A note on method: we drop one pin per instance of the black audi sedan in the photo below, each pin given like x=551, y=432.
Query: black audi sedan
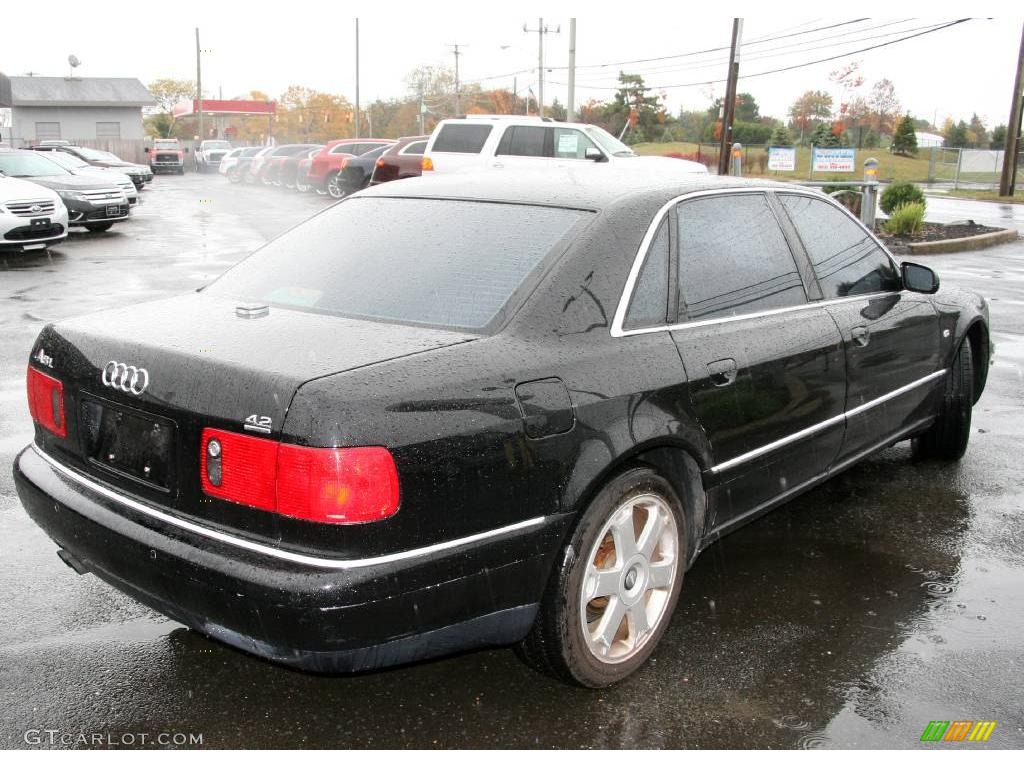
x=93, y=202
x=487, y=409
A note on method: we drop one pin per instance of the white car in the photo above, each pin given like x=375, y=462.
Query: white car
x=32, y=217
x=516, y=142
x=230, y=160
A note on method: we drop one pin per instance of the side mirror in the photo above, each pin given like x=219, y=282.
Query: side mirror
x=595, y=154
x=918, y=278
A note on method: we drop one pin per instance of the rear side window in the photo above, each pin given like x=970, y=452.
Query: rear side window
x=416, y=148
x=846, y=259
x=733, y=258
x=448, y=263
x=525, y=141
x=461, y=137
x=649, y=305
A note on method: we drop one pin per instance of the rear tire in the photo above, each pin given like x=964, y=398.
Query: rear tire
x=947, y=438
x=335, y=188
x=599, y=619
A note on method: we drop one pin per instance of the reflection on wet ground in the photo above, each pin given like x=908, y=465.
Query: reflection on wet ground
x=852, y=616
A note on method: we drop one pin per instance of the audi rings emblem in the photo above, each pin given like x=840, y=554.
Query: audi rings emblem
x=125, y=377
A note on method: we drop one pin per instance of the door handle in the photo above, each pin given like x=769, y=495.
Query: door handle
x=861, y=336
x=722, y=372
x=498, y=165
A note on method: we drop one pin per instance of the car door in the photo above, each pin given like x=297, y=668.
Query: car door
x=764, y=364
x=890, y=336
x=524, y=147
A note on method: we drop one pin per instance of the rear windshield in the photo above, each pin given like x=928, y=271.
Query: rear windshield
x=447, y=263
x=461, y=137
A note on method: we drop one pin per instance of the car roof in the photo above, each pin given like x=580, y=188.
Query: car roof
x=591, y=188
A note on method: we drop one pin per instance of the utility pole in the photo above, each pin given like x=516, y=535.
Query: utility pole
x=541, y=30
x=1008, y=180
x=357, y=79
x=729, y=106
x=570, y=109
x=458, y=85
x=199, y=86
x=421, y=112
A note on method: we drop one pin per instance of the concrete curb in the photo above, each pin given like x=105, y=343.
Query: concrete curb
x=972, y=243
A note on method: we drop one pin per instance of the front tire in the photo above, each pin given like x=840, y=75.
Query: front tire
x=616, y=584
x=947, y=438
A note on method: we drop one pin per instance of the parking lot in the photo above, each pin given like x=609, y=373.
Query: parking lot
x=852, y=616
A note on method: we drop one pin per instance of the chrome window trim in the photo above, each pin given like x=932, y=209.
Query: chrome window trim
x=618, y=319
x=821, y=425
x=282, y=554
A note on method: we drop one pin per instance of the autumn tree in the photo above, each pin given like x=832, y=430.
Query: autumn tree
x=977, y=134
x=885, y=107
x=812, y=108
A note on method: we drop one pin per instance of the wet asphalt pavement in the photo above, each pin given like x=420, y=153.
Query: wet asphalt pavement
x=851, y=617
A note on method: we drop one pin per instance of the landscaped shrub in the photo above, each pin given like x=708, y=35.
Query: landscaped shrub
x=898, y=195
x=906, y=220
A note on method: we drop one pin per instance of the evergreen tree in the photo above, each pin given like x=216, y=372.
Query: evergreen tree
x=956, y=134
x=904, y=141
x=781, y=137
x=822, y=136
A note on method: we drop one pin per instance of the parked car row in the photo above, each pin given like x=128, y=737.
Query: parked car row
x=45, y=191
x=338, y=168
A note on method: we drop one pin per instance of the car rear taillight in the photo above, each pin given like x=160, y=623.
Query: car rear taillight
x=426, y=164
x=380, y=162
x=324, y=485
x=46, y=402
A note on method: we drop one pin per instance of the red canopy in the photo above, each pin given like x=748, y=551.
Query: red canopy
x=224, y=107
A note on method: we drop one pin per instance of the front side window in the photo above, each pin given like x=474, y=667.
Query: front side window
x=846, y=259
x=733, y=258
x=572, y=144
x=447, y=263
x=648, y=307
x=465, y=138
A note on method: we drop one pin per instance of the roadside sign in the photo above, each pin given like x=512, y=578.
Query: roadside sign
x=835, y=159
x=781, y=158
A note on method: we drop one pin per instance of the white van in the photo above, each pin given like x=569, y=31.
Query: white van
x=478, y=142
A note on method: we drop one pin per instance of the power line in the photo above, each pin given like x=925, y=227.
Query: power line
x=789, y=68
x=767, y=55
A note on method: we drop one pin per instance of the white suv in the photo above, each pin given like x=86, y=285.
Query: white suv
x=32, y=217
x=517, y=142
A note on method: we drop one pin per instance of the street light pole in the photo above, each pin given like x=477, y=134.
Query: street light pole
x=1008, y=179
x=199, y=86
x=357, y=79
x=458, y=85
x=570, y=109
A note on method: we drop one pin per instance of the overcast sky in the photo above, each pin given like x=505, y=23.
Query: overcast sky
x=956, y=71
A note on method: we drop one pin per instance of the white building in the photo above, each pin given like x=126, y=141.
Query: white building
x=74, y=108
x=925, y=140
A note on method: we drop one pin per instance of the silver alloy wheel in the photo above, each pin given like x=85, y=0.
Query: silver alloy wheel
x=630, y=573
x=334, y=188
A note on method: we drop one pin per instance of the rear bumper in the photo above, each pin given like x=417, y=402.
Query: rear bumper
x=358, y=615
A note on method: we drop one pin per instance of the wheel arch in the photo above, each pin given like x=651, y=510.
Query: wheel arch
x=680, y=464
x=981, y=349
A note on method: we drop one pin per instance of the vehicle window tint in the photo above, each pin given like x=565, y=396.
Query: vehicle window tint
x=416, y=148
x=449, y=263
x=461, y=137
x=649, y=304
x=570, y=143
x=524, y=141
x=846, y=259
x=733, y=258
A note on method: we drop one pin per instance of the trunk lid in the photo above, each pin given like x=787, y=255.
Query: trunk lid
x=191, y=362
